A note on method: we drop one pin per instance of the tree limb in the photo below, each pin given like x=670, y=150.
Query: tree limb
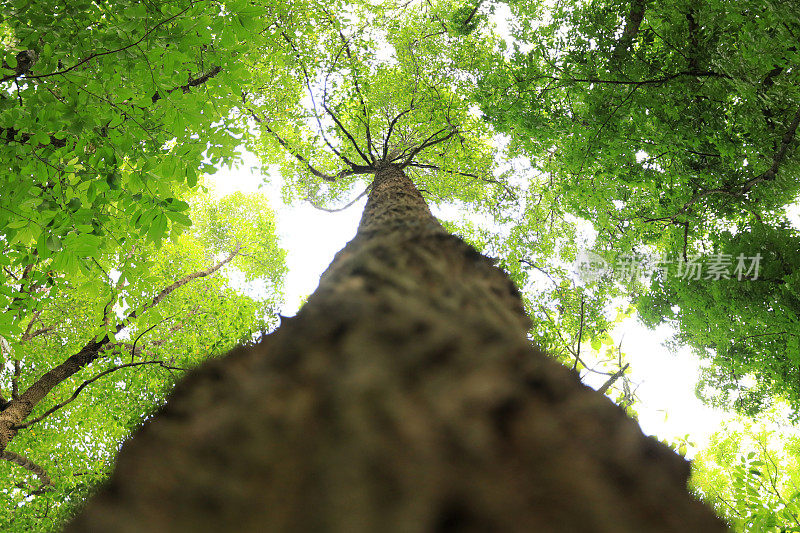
x=610, y=381
x=432, y=140
x=632, y=24
x=116, y=50
x=357, y=169
x=30, y=466
x=193, y=82
x=580, y=336
x=86, y=384
x=780, y=155
x=21, y=408
x=337, y=209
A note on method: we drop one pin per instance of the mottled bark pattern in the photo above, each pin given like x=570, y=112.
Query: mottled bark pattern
x=404, y=397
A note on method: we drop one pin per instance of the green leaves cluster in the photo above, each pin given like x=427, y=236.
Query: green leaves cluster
x=751, y=476
x=207, y=316
x=118, y=109
x=671, y=128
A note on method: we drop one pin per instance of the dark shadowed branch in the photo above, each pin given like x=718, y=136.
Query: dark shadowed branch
x=86, y=384
x=114, y=51
x=30, y=466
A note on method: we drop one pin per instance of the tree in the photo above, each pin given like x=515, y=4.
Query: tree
x=753, y=363
x=405, y=395
x=109, y=113
x=750, y=473
x=64, y=416
x=670, y=127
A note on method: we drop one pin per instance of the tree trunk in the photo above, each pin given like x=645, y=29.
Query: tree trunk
x=404, y=397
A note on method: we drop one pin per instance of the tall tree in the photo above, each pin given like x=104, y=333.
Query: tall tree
x=109, y=111
x=405, y=395
x=671, y=127
x=131, y=338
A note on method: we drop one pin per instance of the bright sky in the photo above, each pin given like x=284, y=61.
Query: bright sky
x=667, y=408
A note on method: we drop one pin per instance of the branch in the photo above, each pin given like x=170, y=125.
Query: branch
x=465, y=174
x=107, y=52
x=25, y=60
x=532, y=265
x=30, y=466
x=86, y=384
x=780, y=155
x=336, y=210
x=193, y=82
x=318, y=173
x=618, y=374
x=632, y=24
x=15, y=380
x=430, y=141
x=354, y=72
x=580, y=337
x=21, y=408
x=314, y=105
x=28, y=335
x=472, y=13
x=638, y=83
x=392, y=124
x=347, y=134
x=178, y=284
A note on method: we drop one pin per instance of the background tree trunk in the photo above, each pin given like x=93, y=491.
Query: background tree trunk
x=403, y=397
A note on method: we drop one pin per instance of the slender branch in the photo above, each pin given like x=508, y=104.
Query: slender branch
x=632, y=24
x=638, y=83
x=356, y=169
x=465, y=174
x=15, y=380
x=610, y=381
x=193, y=82
x=347, y=134
x=472, y=13
x=139, y=336
x=430, y=141
x=356, y=85
x=532, y=265
x=28, y=335
x=336, y=210
x=178, y=284
x=392, y=124
x=580, y=335
x=314, y=103
x=780, y=155
x=114, y=51
x=86, y=384
x=22, y=407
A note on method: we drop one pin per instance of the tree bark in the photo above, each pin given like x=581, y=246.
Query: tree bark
x=403, y=397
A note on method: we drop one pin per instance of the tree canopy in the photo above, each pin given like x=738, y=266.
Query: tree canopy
x=671, y=128
x=659, y=138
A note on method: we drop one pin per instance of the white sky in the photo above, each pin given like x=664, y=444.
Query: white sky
x=667, y=408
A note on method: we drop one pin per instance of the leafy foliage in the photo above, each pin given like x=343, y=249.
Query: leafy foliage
x=671, y=128
x=74, y=433
x=751, y=477
x=108, y=113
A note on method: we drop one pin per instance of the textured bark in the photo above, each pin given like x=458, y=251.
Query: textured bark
x=632, y=24
x=403, y=397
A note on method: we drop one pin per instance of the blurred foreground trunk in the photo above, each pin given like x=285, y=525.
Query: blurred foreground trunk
x=404, y=397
